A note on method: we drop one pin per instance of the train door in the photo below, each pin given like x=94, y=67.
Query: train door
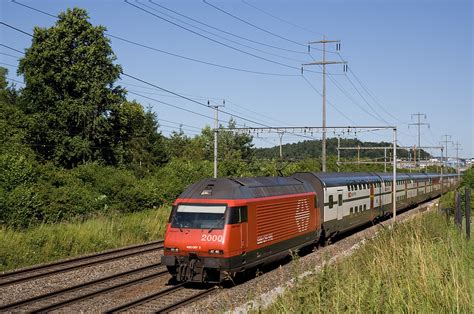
x=243, y=229
x=340, y=206
x=372, y=196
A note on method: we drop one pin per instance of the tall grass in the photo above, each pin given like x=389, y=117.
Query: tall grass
x=48, y=242
x=420, y=266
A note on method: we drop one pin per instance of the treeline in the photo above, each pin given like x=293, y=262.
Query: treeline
x=312, y=148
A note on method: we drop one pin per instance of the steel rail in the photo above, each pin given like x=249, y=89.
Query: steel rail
x=62, y=304
x=146, y=299
x=42, y=297
x=141, y=249
x=187, y=300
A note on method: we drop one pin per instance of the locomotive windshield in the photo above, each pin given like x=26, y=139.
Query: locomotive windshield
x=199, y=217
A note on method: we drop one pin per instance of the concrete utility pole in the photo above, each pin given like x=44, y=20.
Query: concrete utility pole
x=338, y=152
x=446, y=141
x=419, y=124
x=324, y=63
x=394, y=176
x=457, y=148
x=216, y=130
x=280, y=135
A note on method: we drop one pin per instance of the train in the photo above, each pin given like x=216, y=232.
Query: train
x=219, y=228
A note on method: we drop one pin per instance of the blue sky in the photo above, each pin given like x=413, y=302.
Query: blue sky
x=412, y=56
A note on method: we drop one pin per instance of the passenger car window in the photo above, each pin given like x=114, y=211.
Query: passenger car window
x=331, y=199
x=339, y=202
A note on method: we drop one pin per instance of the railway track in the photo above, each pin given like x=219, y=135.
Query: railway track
x=31, y=273
x=70, y=295
x=166, y=300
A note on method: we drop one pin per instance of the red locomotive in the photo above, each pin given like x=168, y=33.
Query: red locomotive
x=219, y=227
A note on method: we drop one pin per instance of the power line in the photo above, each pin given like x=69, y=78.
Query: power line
x=9, y=55
x=366, y=89
x=365, y=100
x=113, y=36
x=280, y=19
x=179, y=123
x=264, y=117
x=226, y=32
x=218, y=36
x=171, y=53
x=212, y=39
x=11, y=48
x=187, y=98
x=7, y=64
x=253, y=25
x=168, y=91
x=171, y=105
x=34, y=9
x=16, y=81
x=16, y=29
x=198, y=60
x=330, y=103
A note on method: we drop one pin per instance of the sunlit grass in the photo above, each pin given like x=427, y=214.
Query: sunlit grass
x=50, y=242
x=421, y=266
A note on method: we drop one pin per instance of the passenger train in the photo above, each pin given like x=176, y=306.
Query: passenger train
x=221, y=227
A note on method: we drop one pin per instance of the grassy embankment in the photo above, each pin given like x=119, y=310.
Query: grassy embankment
x=423, y=265
x=49, y=242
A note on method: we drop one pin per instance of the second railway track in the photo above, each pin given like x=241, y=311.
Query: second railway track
x=70, y=295
x=31, y=273
x=165, y=301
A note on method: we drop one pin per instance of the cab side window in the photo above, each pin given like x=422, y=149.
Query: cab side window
x=238, y=215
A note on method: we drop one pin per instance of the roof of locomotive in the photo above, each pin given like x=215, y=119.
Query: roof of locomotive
x=245, y=188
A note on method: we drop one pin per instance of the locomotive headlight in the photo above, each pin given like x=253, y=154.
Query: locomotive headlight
x=172, y=249
x=216, y=252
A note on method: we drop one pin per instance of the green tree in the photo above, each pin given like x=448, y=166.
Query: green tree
x=137, y=140
x=70, y=73
x=231, y=146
